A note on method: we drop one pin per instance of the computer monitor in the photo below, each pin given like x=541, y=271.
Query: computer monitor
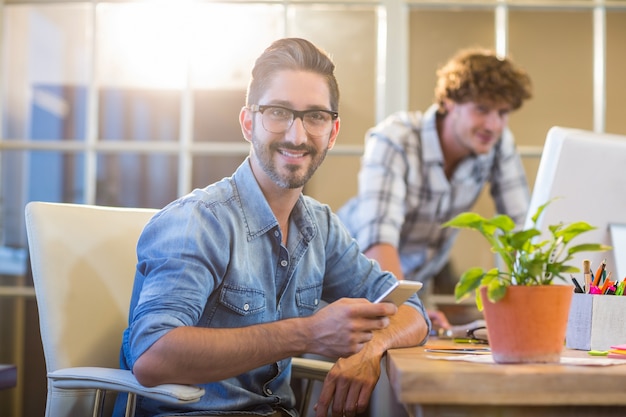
x=587, y=170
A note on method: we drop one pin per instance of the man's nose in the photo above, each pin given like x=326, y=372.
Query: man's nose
x=494, y=120
x=296, y=133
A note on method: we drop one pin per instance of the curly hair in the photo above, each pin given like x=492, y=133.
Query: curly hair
x=477, y=74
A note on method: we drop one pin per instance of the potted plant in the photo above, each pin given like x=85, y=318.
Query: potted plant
x=526, y=315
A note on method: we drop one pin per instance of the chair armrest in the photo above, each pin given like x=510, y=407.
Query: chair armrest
x=121, y=380
x=305, y=368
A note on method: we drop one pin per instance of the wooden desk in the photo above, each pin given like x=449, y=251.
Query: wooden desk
x=437, y=388
x=8, y=376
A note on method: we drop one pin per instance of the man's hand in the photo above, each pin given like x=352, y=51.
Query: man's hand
x=349, y=386
x=439, y=320
x=342, y=328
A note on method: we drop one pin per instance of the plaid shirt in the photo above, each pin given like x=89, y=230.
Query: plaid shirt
x=404, y=195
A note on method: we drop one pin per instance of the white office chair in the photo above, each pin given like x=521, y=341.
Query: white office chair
x=83, y=262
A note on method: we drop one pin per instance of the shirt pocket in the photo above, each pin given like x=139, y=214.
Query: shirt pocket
x=308, y=299
x=246, y=303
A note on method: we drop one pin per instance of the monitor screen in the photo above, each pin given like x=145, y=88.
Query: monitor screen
x=587, y=172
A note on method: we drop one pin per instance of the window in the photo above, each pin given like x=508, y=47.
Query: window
x=133, y=103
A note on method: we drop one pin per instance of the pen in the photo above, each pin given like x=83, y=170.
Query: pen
x=599, y=272
x=587, y=273
x=578, y=288
x=607, y=284
x=459, y=350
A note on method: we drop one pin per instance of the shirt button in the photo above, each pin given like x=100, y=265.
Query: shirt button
x=283, y=263
x=276, y=233
x=316, y=302
x=246, y=307
x=268, y=391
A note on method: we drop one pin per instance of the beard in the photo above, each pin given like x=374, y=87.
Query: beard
x=291, y=175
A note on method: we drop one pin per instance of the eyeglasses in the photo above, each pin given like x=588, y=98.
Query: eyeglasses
x=278, y=119
x=474, y=335
x=478, y=335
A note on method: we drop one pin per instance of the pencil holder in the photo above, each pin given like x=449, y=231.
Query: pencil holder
x=596, y=322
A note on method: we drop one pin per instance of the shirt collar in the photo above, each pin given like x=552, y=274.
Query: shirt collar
x=432, y=146
x=257, y=214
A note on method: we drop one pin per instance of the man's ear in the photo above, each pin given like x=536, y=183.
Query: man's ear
x=448, y=105
x=333, y=134
x=245, y=120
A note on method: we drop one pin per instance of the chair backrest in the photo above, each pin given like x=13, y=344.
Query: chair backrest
x=83, y=262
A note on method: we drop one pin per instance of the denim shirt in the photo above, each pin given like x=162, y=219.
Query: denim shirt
x=214, y=258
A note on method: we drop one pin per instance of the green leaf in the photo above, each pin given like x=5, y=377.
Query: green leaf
x=495, y=291
x=519, y=239
x=588, y=247
x=473, y=221
x=469, y=281
x=569, y=269
x=531, y=268
x=479, y=301
x=541, y=208
x=502, y=222
x=468, y=220
x=572, y=230
x=492, y=275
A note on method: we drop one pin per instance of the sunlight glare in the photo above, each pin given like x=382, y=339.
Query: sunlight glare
x=155, y=45
x=145, y=45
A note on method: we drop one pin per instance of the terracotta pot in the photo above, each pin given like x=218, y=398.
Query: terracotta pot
x=528, y=325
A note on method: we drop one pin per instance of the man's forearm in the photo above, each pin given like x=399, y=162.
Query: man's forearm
x=407, y=328
x=387, y=257
x=193, y=355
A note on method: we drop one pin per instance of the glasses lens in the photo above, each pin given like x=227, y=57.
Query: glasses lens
x=279, y=120
x=317, y=123
x=478, y=333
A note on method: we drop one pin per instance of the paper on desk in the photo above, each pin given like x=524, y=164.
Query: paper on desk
x=595, y=361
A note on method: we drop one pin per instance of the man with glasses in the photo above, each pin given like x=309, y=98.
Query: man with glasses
x=230, y=278
x=421, y=169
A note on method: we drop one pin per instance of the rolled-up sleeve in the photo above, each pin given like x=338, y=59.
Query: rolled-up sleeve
x=173, y=278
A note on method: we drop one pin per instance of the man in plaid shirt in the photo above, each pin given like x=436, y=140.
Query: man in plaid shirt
x=421, y=169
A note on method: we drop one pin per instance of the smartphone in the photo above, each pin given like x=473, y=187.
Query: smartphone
x=400, y=292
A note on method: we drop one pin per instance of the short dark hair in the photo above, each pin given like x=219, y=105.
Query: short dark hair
x=478, y=74
x=291, y=54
